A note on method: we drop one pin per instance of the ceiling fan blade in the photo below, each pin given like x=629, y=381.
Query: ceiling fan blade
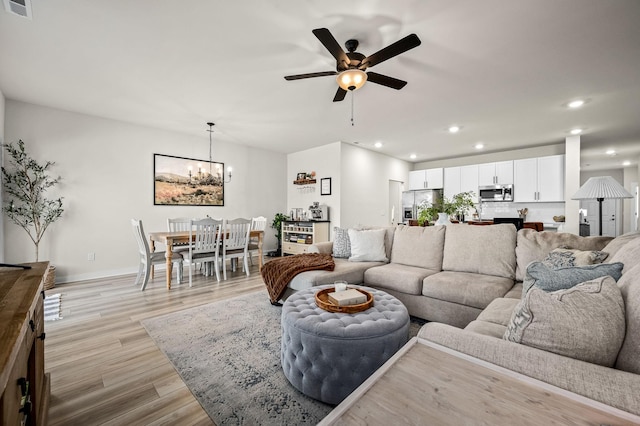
x=310, y=75
x=340, y=94
x=400, y=46
x=385, y=80
x=328, y=41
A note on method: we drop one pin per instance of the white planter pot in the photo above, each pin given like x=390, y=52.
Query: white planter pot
x=443, y=219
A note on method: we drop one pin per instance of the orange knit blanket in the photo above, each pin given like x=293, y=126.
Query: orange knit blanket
x=278, y=272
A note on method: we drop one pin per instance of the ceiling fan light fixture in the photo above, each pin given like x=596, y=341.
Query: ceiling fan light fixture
x=352, y=79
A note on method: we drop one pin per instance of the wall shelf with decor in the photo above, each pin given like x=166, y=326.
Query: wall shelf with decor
x=297, y=236
x=304, y=181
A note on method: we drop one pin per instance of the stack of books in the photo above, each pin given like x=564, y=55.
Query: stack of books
x=347, y=297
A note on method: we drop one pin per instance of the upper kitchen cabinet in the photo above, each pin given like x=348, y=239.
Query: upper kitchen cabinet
x=539, y=179
x=426, y=179
x=500, y=172
x=461, y=179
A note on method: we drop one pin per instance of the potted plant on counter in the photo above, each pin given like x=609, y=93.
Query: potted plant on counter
x=25, y=184
x=440, y=211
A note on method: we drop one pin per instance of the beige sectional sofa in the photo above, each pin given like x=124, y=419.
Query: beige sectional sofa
x=467, y=281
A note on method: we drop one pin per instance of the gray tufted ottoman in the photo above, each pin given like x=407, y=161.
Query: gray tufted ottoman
x=327, y=355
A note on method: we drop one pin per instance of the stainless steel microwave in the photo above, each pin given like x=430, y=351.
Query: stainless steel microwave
x=495, y=193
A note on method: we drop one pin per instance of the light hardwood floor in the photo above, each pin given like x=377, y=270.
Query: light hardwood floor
x=104, y=367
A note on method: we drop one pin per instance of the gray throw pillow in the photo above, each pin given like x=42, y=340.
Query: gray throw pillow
x=341, y=244
x=547, y=278
x=585, y=322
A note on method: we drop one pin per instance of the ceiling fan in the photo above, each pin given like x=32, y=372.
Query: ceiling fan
x=351, y=65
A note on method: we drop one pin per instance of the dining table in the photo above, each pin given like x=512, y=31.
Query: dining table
x=172, y=238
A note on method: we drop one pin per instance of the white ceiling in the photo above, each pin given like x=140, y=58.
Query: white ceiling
x=501, y=69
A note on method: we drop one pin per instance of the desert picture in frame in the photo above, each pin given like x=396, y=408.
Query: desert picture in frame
x=179, y=181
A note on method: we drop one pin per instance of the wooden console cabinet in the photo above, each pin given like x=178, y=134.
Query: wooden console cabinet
x=24, y=386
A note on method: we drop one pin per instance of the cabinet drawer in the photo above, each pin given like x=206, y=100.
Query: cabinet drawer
x=294, y=248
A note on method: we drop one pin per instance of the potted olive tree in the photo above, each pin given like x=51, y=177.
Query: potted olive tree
x=277, y=225
x=25, y=183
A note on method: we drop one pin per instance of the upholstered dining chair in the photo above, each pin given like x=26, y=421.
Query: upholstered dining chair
x=205, y=234
x=148, y=259
x=257, y=224
x=235, y=244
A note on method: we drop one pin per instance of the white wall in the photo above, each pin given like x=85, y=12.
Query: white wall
x=325, y=161
x=107, y=171
x=364, y=195
x=630, y=180
x=359, y=182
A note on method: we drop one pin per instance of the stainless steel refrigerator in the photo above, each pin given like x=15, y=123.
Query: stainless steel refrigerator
x=411, y=200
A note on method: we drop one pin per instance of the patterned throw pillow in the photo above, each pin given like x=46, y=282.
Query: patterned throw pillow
x=341, y=243
x=585, y=322
x=548, y=278
x=562, y=257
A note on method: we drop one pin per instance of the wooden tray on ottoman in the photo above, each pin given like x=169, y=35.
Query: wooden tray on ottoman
x=322, y=300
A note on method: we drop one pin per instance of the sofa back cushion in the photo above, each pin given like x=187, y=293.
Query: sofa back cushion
x=629, y=284
x=618, y=242
x=420, y=246
x=488, y=250
x=585, y=322
x=533, y=245
x=629, y=254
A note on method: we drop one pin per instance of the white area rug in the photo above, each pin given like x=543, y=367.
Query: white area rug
x=52, y=307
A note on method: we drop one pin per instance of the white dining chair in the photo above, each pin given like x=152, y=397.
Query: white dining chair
x=205, y=234
x=148, y=259
x=235, y=244
x=257, y=224
x=179, y=224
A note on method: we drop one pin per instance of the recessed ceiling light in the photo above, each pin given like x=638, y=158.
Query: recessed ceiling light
x=576, y=104
x=413, y=156
x=454, y=129
x=378, y=145
x=611, y=152
x=479, y=145
x=626, y=163
x=575, y=131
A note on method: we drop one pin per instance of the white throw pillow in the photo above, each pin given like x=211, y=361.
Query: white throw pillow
x=367, y=245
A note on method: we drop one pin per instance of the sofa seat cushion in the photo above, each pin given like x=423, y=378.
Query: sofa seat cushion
x=629, y=358
x=535, y=246
x=493, y=320
x=464, y=288
x=393, y=276
x=420, y=246
x=488, y=250
x=351, y=272
x=585, y=322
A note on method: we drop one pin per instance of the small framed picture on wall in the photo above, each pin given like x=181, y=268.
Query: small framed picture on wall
x=301, y=176
x=325, y=186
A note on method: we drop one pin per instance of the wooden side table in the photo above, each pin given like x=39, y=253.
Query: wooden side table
x=425, y=383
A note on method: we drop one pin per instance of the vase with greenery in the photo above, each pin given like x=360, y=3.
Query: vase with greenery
x=277, y=225
x=459, y=204
x=25, y=183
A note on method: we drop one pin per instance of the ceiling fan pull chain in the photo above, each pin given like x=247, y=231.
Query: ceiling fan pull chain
x=352, y=96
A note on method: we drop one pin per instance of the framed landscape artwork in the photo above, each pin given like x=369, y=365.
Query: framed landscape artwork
x=181, y=181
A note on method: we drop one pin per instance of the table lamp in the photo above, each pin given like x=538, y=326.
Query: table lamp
x=599, y=188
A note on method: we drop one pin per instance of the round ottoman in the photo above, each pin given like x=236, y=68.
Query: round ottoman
x=326, y=355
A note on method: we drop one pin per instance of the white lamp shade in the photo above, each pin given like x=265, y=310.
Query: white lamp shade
x=601, y=187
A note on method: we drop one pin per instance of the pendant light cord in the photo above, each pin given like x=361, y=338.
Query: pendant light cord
x=210, y=145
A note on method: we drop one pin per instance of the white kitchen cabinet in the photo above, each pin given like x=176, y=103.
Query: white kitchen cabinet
x=461, y=179
x=539, y=179
x=469, y=180
x=426, y=179
x=500, y=172
x=451, y=181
